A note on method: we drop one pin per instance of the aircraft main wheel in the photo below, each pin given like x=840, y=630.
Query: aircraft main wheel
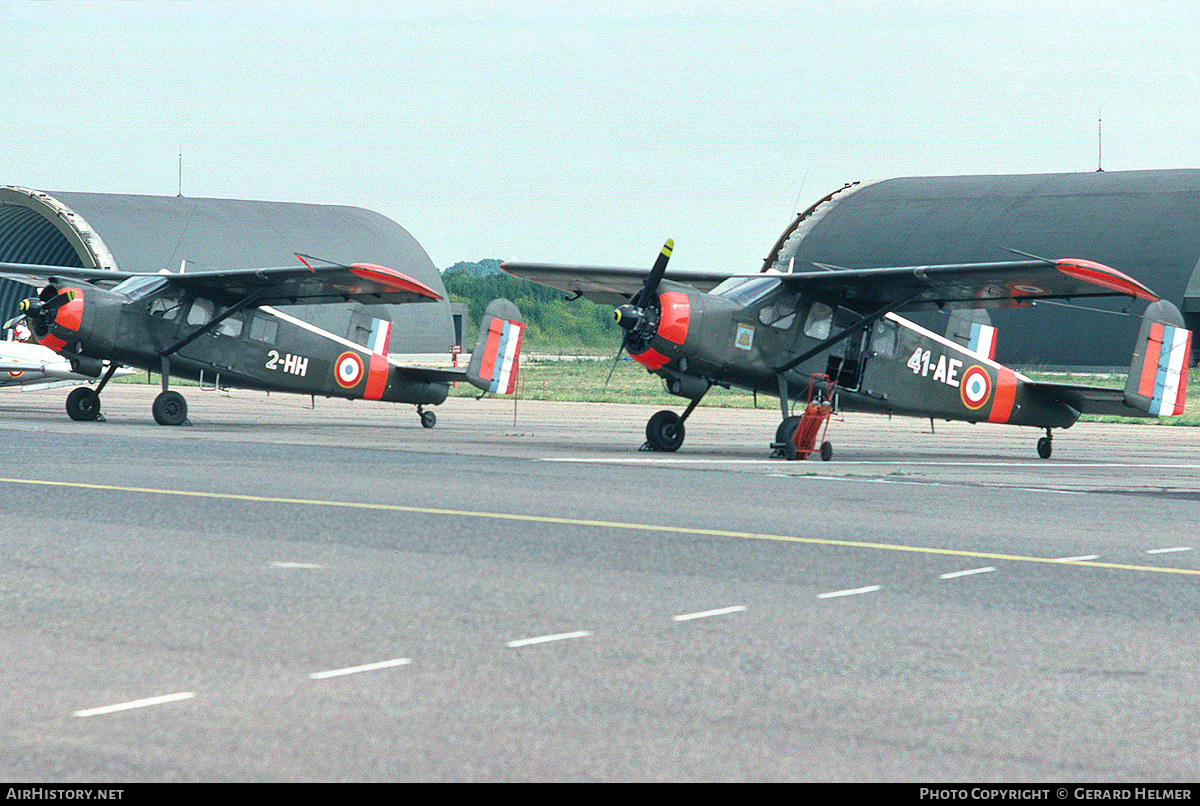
x=1044, y=447
x=170, y=409
x=83, y=404
x=787, y=429
x=428, y=419
x=784, y=438
x=826, y=451
x=664, y=431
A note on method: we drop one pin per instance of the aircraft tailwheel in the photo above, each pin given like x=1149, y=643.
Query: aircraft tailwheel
x=428, y=419
x=664, y=431
x=83, y=404
x=1044, y=447
x=170, y=408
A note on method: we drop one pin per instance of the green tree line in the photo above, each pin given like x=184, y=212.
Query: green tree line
x=552, y=323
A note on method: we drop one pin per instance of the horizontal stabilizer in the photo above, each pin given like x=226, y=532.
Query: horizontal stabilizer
x=497, y=350
x=1157, y=381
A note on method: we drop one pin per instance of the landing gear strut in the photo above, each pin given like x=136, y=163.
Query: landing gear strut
x=664, y=431
x=83, y=403
x=169, y=407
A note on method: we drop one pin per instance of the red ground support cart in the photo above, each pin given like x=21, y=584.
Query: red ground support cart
x=798, y=437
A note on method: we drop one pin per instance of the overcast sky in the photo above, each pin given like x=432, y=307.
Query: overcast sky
x=520, y=130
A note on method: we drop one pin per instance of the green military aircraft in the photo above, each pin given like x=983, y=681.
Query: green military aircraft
x=774, y=333
x=223, y=328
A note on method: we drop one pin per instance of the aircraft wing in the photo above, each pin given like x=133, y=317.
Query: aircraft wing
x=8, y=364
x=966, y=285
x=308, y=285
x=285, y=285
x=607, y=286
x=38, y=275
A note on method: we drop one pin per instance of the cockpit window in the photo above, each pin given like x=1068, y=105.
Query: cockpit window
x=139, y=287
x=747, y=290
x=781, y=313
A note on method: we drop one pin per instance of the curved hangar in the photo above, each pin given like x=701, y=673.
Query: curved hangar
x=151, y=233
x=1144, y=223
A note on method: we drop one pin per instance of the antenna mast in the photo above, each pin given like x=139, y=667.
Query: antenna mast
x=180, y=193
x=1100, y=141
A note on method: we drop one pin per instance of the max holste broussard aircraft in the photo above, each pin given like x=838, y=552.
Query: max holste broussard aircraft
x=221, y=328
x=776, y=334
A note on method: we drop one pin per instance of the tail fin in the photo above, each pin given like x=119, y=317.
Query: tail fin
x=1158, y=375
x=497, y=350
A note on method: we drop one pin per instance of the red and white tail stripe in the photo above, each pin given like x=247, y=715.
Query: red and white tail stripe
x=501, y=353
x=1165, y=370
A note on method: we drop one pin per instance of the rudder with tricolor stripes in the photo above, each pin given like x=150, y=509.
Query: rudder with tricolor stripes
x=496, y=356
x=1158, y=374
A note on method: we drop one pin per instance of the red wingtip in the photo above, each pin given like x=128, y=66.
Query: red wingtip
x=390, y=277
x=1105, y=277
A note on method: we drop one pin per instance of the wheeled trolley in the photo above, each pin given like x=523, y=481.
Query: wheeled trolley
x=798, y=437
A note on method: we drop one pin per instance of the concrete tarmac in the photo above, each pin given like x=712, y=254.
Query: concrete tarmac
x=295, y=590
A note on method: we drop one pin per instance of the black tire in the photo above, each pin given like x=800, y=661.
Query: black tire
x=1045, y=447
x=664, y=431
x=787, y=429
x=83, y=404
x=428, y=419
x=170, y=408
x=826, y=451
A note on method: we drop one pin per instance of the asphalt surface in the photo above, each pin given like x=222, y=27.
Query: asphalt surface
x=288, y=590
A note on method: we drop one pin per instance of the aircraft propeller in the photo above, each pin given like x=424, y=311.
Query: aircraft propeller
x=639, y=317
x=36, y=310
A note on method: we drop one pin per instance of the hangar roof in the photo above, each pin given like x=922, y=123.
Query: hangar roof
x=151, y=233
x=1144, y=223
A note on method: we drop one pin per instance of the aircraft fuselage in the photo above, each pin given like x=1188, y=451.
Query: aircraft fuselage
x=253, y=348
x=758, y=335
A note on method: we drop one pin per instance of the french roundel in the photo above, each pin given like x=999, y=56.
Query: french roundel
x=976, y=387
x=348, y=369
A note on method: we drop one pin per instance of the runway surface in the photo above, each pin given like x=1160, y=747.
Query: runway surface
x=287, y=590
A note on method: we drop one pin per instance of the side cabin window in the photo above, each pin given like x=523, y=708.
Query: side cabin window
x=819, y=321
x=201, y=312
x=883, y=338
x=264, y=328
x=231, y=326
x=166, y=307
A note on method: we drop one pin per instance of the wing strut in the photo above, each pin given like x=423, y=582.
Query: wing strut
x=846, y=333
x=245, y=303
